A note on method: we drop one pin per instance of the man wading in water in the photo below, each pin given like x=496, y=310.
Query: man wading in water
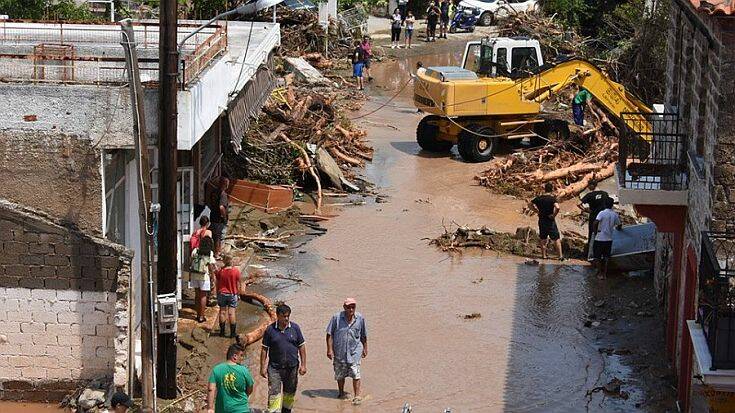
x=346, y=346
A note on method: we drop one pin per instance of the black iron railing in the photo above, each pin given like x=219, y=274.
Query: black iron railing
x=652, y=152
x=716, y=311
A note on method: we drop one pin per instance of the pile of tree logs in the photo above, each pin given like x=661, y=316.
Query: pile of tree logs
x=274, y=150
x=554, y=38
x=568, y=164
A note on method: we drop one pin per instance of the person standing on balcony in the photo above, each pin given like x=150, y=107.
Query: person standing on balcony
x=607, y=221
x=595, y=201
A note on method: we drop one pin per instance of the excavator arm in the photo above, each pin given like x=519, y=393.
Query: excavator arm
x=606, y=92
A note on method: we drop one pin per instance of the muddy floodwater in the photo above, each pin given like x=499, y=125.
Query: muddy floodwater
x=527, y=352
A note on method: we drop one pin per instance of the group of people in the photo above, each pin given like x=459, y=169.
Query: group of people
x=603, y=220
x=438, y=13
x=283, y=360
x=206, y=251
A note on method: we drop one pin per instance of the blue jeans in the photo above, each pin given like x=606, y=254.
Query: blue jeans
x=578, y=112
x=357, y=69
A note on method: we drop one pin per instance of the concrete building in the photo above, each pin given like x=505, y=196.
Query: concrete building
x=67, y=159
x=683, y=179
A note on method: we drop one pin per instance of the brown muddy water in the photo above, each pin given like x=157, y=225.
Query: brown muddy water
x=529, y=350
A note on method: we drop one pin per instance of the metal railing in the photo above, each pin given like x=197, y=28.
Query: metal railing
x=654, y=159
x=96, y=56
x=716, y=312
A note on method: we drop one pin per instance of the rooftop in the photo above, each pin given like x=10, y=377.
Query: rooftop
x=56, y=52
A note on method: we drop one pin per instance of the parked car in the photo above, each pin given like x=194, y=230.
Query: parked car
x=493, y=9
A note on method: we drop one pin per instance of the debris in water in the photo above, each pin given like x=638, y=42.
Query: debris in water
x=479, y=280
x=532, y=262
x=599, y=303
x=523, y=243
x=472, y=316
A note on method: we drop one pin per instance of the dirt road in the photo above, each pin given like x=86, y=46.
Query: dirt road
x=529, y=350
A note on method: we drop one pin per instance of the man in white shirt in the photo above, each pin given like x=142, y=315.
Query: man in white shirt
x=607, y=221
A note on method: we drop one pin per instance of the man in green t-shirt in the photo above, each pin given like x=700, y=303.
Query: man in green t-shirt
x=230, y=384
x=578, y=104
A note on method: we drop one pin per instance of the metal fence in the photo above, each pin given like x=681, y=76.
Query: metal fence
x=716, y=312
x=354, y=21
x=652, y=152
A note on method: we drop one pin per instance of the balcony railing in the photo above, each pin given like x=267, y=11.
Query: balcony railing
x=716, y=311
x=652, y=153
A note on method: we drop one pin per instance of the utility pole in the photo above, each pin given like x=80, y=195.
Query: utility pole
x=168, y=226
x=146, y=241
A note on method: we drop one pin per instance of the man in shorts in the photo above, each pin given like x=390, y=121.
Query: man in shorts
x=595, y=201
x=607, y=221
x=358, y=62
x=443, y=18
x=547, y=208
x=347, y=346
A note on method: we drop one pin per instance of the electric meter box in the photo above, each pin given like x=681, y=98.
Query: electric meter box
x=168, y=313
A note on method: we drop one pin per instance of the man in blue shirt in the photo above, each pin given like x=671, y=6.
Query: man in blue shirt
x=285, y=350
x=346, y=346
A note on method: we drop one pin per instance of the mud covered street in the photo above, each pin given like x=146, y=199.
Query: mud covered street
x=539, y=339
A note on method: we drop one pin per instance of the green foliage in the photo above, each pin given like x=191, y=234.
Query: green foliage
x=571, y=12
x=45, y=9
x=627, y=35
x=23, y=9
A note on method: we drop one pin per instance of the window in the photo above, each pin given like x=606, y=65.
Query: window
x=473, y=58
x=523, y=59
x=502, y=60
x=114, y=166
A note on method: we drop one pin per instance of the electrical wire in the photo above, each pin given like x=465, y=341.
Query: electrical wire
x=244, y=58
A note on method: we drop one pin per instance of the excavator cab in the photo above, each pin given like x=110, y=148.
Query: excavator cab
x=512, y=57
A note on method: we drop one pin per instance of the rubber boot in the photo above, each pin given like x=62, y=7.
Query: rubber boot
x=233, y=329
x=221, y=329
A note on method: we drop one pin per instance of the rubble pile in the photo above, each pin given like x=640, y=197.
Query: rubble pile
x=554, y=38
x=301, y=33
x=523, y=243
x=301, y=136
x=570, y=164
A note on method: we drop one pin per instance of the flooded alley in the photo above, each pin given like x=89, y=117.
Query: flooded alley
x=528, y=349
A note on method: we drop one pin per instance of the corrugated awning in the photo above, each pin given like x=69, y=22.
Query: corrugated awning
x=248, y=103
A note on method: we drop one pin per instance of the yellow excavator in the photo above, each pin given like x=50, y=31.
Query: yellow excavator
x=497, y=95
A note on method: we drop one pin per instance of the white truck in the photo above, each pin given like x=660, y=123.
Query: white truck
x=490, y=10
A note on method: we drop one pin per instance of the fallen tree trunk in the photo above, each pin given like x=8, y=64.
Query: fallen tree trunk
x=579, y=186
x=562, y=172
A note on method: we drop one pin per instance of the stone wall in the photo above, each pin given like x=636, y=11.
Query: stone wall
x=63, y=306
x=700, y=86
x=54, y=173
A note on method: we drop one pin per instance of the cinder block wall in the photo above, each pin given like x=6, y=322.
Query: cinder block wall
x=63, y=307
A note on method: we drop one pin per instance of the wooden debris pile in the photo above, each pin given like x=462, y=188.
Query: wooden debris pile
x=523, y=243
x=302, y=34
x=303, y=137
x=569, y=164
x=554, y=38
